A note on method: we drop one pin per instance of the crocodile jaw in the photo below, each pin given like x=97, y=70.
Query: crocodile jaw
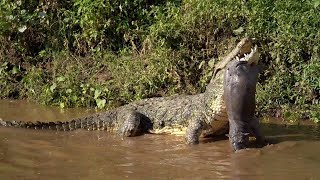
x=252, y=58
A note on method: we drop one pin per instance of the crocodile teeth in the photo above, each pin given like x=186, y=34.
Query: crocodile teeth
x=252, y=57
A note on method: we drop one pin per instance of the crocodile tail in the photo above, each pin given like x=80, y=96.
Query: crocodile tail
x=64, y=126
x=88, y=123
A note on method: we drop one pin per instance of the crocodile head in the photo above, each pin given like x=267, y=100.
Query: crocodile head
x=244, y=51
x=243, y=47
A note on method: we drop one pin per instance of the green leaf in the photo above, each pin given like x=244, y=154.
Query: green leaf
x=69, y=91
x=53, y=87
x=287, y=114
x=74, y=98
x=15, y=70
x=201, y=64
x=101, y=103
x=238, y=31
x=211, y=63
x=61, y=78
x=97, y=93
x=316, y=3
x=62, y=105
x=42, y=53
x=4, y=64
x=22, y=28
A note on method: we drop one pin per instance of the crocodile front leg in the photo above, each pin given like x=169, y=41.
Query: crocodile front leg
x=194, y=130
x=130, y=123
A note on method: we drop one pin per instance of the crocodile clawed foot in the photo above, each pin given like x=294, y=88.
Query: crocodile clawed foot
x=191, y=140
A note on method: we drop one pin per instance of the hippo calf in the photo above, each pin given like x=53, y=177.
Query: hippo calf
x=240, y=81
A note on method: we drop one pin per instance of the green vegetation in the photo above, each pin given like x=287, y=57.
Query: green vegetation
x=106, y=53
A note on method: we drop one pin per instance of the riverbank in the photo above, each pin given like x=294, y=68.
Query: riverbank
x=103, y=54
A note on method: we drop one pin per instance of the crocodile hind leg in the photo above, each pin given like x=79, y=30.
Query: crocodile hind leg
x=194, y=131
x=131, y=120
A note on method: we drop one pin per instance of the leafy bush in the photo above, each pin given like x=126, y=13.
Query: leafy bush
x=105, y=53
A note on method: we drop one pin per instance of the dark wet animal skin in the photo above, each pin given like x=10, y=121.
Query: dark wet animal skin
x=201, y=114
x=239, y=94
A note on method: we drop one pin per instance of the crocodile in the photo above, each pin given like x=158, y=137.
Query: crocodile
x=193, y=116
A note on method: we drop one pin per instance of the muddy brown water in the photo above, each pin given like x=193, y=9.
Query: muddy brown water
x=45, y=154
